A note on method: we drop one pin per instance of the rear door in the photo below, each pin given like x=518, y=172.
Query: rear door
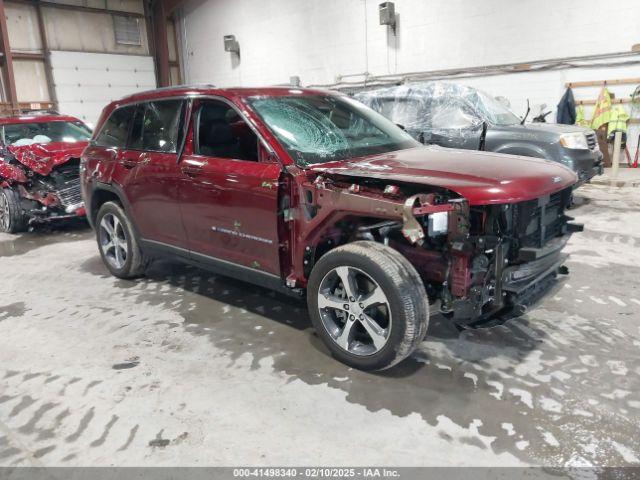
x=151, y=156
x=230, y=194
x=110, y=145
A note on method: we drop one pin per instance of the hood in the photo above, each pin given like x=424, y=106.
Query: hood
x=553, y=128
x=42, y=158
x=481, y=177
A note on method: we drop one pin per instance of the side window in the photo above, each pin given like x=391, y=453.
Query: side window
x=451, y=116
x=222, y=133
x=158, y=126
x=115, y=131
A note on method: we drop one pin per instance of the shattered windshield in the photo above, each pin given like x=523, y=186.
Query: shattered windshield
x=323, y=128
x=20, y=134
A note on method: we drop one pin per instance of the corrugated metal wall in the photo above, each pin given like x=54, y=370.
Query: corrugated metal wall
x=86, y=82
x=89, y=67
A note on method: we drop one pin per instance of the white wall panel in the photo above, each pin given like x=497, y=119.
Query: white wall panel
x=86, y=82
x=87, y=32
x=22, y=24
x=31, y=81
x=322, y=39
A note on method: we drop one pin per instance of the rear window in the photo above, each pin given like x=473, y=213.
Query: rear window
x=115, y=131
x=45, y=132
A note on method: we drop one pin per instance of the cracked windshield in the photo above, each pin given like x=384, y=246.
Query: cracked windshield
x=21, y=134
x=318, y=129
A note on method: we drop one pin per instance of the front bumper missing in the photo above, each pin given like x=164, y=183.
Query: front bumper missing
x=519, y=278
x=515, y=287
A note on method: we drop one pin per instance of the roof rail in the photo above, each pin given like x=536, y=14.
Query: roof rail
x=172, y=87
x=38, y=111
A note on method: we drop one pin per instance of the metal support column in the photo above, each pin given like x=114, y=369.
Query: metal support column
x=46, y=52
x=8, y=76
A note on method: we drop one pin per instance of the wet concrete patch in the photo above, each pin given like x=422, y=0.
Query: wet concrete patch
x=557, y=386
x=12, y=310
x=129, y=363
x=527, y=373
x=44, y=235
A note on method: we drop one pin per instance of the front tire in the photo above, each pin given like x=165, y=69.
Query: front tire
x=12, y=217
x=117, y=242
x=368, y=305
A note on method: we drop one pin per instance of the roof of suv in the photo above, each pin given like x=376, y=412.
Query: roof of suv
x=183, y=90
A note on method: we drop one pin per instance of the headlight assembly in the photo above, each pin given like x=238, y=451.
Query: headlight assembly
x=438, y=223
x=574, y=141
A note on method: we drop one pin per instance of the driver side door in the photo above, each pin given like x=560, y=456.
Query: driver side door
x=229, y=191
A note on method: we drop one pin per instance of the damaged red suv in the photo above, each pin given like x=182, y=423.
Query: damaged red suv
x=39, y=169
x=310, y=193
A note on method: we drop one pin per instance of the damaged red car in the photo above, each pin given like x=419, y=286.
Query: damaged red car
x=39, y=169
x=313, y=194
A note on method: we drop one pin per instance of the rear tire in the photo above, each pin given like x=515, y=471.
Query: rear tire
x=12, y=217
x=117, y=242
x=380, y=318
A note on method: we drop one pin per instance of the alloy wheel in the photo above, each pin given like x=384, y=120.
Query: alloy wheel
x=5, y=214
x=354, y=310
x=113, y=241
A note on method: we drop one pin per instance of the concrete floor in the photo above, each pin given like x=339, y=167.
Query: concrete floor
x=185, y=368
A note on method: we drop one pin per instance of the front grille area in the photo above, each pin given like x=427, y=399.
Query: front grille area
x=70, y=194
x=543, y=219
x=65, y=182
x=592, y=141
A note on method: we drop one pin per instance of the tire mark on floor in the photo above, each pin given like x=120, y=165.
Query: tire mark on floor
x=132, y=435
x=26, y=402
x=105, y=434
x=84, y=423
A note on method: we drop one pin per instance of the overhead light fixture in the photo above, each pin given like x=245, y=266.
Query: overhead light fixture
x=231, y=44
x=388, y=15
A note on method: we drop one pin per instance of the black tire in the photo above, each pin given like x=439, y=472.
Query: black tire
x=403, y=288
x=12, y=217
x=135, y=262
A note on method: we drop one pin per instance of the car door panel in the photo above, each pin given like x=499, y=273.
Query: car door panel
x=230, y=210
x=153, y=184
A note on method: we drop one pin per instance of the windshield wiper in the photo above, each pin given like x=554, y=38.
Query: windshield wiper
x=526, y=114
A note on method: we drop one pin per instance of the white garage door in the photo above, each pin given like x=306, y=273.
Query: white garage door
x=86, y=82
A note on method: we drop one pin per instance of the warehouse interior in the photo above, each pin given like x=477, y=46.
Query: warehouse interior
x=188, y=366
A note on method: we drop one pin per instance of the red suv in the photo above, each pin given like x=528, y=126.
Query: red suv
x=310, y=192
x=39, y=165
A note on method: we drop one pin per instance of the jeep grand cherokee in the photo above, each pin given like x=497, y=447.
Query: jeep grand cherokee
x=310, y=192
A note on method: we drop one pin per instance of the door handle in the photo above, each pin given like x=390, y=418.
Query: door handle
x=144, y=159
x=191, y=170
x=128, y=163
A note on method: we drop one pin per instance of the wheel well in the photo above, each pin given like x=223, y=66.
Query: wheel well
x=99, y=198
x=346, y=230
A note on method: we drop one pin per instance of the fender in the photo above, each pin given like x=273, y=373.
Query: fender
x=523, y=150
x=115, y=189
x=10, y=174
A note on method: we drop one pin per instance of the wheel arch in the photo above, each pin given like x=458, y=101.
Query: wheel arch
x=102, y=193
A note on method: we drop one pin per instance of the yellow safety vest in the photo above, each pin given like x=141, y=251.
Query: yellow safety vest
x=602, y=112
x=580, y=120
x=618, y=120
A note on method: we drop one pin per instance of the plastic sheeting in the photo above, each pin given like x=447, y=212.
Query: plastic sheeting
x=438, y=109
